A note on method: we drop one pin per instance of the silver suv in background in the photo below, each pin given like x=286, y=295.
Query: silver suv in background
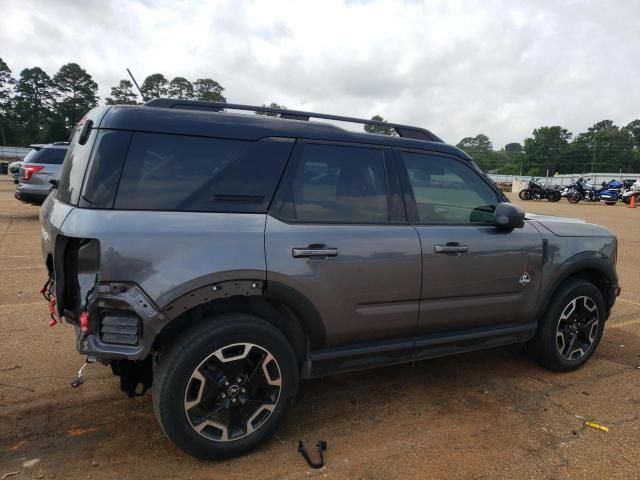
x=41, y=165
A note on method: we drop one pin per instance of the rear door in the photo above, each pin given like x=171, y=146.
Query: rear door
x=474, y=275
x=337, y=234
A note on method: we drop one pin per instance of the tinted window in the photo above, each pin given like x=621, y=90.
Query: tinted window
x=175, y=172
x=338, y=184
x=73, y=169
x=52, y=156
x=448, y=191
x=105, y=168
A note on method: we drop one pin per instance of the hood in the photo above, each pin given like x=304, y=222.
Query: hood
x=569, y=227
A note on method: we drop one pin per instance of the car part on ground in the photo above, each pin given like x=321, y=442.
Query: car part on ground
x=321, y=445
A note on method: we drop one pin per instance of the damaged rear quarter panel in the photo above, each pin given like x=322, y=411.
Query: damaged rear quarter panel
x=170, y=254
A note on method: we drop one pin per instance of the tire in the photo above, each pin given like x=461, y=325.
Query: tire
x=610, y=202
x=561, y=355
x=627, y=200
x=554, y=196
x=193, y=380
x=574, y=197
x=525, y=194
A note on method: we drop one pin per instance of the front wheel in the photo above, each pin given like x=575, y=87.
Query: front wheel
x=571, y=328
x=525, y=194
x=574, y=197
x=223, y=388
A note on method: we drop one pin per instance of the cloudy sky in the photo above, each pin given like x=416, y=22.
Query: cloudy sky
x=459, y=68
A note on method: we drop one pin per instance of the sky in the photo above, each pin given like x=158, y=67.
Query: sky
x=500, y=68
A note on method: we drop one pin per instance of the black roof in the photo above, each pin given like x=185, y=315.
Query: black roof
x=209, y=122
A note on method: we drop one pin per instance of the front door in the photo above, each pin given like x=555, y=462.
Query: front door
x=474, y=275
x=337, y=234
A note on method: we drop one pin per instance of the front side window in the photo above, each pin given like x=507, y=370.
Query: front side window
x=447, y=191
x=338, y=184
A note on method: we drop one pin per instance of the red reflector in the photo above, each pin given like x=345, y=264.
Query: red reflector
x=30, y=170
x=52, y=322
x=52, y=305
x=84, y=322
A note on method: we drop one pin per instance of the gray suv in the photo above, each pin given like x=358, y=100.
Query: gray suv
x=222, y=257
x=39, y=168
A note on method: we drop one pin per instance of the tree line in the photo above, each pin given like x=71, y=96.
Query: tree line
x=604, y=147
x=37, y=108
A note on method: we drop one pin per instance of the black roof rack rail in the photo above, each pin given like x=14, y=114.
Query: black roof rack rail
x=405, y=131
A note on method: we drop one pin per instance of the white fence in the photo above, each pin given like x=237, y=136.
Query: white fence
x=595, y=178
x=13, y=152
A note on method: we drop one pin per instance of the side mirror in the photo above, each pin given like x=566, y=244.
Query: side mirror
x=508, y=216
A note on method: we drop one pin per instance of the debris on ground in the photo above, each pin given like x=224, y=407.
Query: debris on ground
x=9, y=474
x=597, y=426
x=31, y=463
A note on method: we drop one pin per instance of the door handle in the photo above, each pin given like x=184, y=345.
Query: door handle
x=309, y=252
x=450, y=248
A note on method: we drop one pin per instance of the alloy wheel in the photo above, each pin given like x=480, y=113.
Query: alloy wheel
x=233, y=392
x=577, y=328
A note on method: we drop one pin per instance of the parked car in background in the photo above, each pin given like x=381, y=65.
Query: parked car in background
x=14, y=170
x=41, y=165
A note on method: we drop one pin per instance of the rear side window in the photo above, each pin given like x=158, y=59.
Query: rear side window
x=183, y=173
x=337, y=184
x=104, y=170
x=51, y=156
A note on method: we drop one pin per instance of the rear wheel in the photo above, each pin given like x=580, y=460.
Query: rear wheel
x=571, y=328
x=225, y=386
x=554, y=196
x=525, y=194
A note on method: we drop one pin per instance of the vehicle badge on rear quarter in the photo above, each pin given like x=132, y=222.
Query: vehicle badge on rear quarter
x=525, y=279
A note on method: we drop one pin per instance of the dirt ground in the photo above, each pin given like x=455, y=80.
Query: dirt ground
x=491, y=414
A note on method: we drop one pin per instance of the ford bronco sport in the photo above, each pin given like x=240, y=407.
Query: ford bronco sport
x=224, y=256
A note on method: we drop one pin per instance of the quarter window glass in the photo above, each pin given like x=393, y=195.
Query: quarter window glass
x=447, y=191
x=73, y=169
x=340, y=184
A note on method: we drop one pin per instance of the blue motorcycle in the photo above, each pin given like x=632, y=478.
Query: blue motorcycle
x=609, y=193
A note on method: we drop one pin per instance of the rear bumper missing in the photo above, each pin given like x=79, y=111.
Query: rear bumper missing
x=120, y=324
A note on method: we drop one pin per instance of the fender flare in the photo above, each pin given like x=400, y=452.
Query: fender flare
x=295, y=301
x=583, y=261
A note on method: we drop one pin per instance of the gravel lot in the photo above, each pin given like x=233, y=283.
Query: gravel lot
x=491, y=414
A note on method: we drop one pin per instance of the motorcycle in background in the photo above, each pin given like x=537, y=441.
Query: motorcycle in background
x=537, y=191
x=583, y=190
x=631, y=189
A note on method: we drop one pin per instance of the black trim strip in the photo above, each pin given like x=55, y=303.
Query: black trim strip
x=401, y=350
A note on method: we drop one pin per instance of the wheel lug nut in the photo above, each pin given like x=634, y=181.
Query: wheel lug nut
x=222, y=395
x=242, y=390
x=226, y=383
x=238, y=380
x=233, y=400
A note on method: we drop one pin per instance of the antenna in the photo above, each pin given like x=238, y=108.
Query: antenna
x=137, y=86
